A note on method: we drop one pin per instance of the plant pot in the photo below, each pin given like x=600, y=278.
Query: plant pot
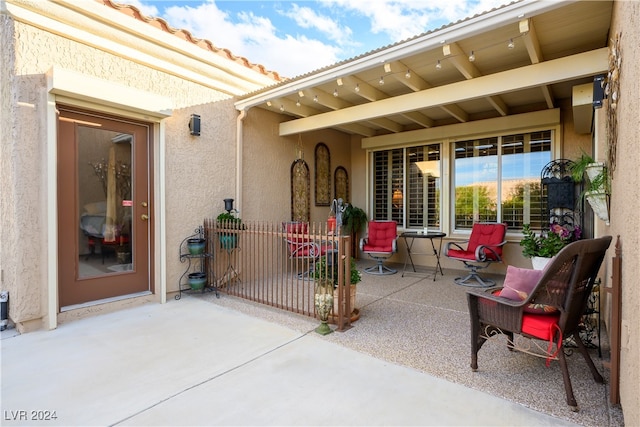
x=196, y=246
x=539, y=262
x=197, y=281
x=593, y=170
x=228, y=241
x=599, y=203
x=352, y=291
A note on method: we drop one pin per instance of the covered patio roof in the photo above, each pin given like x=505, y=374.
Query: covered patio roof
x=521, y=57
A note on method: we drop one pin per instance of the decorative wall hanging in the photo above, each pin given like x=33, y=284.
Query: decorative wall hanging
x=612, y=92
x=558, y=195
x=341, y=184
x=300, y=188
x=323, y=175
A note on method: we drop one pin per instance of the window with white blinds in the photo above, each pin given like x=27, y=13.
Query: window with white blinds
x=407, y=186
x=492, y=179
x=388, y=185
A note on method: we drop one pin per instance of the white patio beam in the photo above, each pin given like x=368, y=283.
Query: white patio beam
x=568, y=68
x=460, y=60
x=532, y=44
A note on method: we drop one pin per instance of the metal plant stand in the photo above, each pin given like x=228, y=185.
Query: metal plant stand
x=196, y=263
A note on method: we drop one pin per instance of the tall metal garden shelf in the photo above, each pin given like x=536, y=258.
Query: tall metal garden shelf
x=193, y=252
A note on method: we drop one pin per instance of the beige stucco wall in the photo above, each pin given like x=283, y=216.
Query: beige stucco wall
x=200, y=172
x=625, y=203
x=266, y=165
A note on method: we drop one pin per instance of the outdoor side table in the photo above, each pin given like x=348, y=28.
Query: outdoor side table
x=409, y=238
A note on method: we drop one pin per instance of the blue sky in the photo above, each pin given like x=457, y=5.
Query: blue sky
x=296, y=37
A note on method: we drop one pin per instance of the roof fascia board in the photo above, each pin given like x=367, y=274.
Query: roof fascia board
x=511, y=13
x=114, y=18
x=74, y=85
x=544, y=73
x=537, y=119
x=63, y=21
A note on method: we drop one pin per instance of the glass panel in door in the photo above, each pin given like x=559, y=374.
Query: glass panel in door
x=105, y=205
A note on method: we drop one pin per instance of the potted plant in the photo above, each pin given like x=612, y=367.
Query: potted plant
x=228, y=221
x=597, y=188
x=354, y=220
x=322, y=272
x=541, y=248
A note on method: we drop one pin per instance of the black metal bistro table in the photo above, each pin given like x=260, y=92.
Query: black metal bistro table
x=409, y=238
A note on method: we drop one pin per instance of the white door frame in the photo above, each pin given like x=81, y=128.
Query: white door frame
x=88, y=92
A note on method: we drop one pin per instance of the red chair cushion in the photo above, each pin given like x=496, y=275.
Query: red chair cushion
x=380, y=236
x=296, y=236
x=458, y=254
x=487, y=235
x=542, y=326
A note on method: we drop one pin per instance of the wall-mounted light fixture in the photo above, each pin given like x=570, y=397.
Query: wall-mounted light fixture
x=194, y=125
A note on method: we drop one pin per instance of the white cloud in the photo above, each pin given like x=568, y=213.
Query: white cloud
x=255, y=38
x=402, y=19
x=315, y=34
x=306, y=17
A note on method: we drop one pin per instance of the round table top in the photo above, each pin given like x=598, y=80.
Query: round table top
x=422, y=234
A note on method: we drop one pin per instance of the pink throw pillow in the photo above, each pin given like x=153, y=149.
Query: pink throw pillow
x=518, y=284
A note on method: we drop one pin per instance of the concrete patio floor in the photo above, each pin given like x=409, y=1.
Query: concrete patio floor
x=209, y=361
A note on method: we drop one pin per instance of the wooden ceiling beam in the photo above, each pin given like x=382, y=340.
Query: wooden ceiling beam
x=326, y=99
x=362, y=88
x=290, y=107
x=461, y=61
x=358, y=129
x=399, y=71
x=528, y=31
x=545, y=73
x=387, y=124
x=456, y=112
x=419, y=118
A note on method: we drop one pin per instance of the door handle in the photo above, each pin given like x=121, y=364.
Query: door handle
x=144, y=217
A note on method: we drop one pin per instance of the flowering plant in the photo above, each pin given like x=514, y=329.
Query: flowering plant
x=549, y=243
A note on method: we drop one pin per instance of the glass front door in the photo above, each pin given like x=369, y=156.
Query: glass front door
x=104, y=200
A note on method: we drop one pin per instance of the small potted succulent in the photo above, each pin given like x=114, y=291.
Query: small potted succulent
x=228, y=221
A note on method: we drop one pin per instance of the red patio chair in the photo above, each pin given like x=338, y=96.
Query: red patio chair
x=381, y=242
x=483, y=247
x=300, y=245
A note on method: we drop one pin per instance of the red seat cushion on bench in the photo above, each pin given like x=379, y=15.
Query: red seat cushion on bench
x=544, y=327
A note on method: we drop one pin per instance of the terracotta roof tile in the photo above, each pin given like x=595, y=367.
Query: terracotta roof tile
x=163, y=25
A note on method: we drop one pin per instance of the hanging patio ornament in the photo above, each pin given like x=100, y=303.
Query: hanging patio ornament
x=299, y=149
